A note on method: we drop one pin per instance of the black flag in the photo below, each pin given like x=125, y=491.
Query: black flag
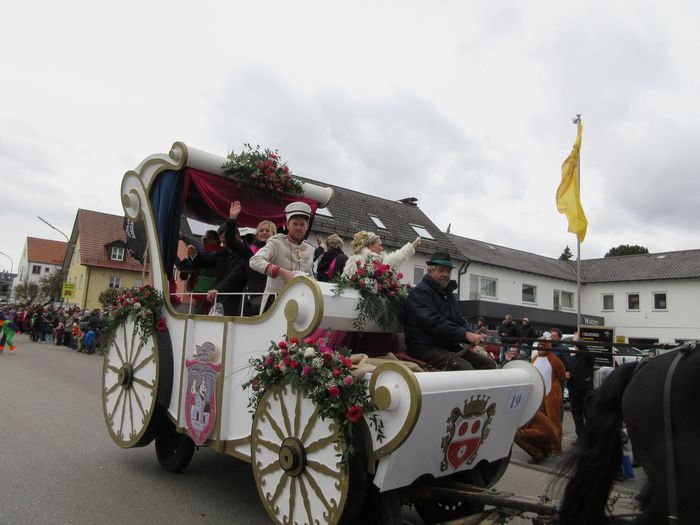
x=135, y=238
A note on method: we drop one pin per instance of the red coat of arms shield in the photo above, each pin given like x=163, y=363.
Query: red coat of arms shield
x=200, y=401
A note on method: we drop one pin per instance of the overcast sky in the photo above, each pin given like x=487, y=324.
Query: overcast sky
x=465, y=105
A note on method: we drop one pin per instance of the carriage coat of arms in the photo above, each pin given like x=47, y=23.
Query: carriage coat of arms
x=466, y=430
x=200, y=401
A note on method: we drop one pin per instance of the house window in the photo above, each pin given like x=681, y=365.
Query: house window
x=529, y=293
x=46, y=269
x=422, y=231
x=377, y=222
x=115, y=281
x=480, y=286
x=418, y=273
x=660, y=301
x=117, y=253
x=563, y=300
x=36, y=269
x=633, y=301
x=608, y=302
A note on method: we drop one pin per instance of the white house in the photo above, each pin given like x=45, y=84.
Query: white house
x=40, y=258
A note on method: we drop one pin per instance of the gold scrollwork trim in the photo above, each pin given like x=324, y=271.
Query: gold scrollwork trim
x=381, y=397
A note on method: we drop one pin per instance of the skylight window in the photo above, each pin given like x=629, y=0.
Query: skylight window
x=324, y=212
x=422, y=232
x=377, y=222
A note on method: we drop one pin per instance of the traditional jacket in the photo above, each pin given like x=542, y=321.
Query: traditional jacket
x=393, y=259
x=281, y=251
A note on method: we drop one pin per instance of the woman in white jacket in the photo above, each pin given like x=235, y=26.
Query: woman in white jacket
x=368, y=245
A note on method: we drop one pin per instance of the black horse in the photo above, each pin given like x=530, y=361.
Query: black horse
x=636, y=395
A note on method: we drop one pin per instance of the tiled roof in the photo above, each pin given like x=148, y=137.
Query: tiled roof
x=494, y=255
x=45, y=250
x=97, y=230
x=351, y=212
x=647, y=267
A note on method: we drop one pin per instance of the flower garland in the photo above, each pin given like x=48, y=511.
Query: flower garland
x=261, y=172
x=382, y=295
x=320, y=373
x=143, y=306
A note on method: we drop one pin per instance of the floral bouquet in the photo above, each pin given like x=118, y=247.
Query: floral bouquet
x=261, y=172
x=382, y=295
x=143, y=306
x=320, y=373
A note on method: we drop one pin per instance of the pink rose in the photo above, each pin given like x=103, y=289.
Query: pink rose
x=347, y=380
x=354, y=413
x=336, y=372
x=305, y=371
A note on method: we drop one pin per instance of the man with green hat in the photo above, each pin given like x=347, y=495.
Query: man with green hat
x=434, y=327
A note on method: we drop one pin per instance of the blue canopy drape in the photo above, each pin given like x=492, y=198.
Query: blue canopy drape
x=168, y=194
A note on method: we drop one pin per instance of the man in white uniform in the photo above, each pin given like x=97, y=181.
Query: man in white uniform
x=285, y=256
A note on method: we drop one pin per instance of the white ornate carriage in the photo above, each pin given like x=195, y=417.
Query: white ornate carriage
x=447, y=425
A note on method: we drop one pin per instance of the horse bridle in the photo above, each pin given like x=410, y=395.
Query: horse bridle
x=683, y=350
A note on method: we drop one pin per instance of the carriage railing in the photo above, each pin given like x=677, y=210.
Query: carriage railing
x=191, y=295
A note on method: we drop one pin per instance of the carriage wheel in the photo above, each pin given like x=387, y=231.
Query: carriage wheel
x=174, y=449
x=136, y=385
x=296, y=460
x=438, y=511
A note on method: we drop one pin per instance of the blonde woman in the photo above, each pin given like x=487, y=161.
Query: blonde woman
x=368, y=245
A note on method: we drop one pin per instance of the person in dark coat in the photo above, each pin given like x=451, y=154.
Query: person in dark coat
x=332, y=262
x=229, y=268
x=433, y=324
x=508, y=332
x=580, y=383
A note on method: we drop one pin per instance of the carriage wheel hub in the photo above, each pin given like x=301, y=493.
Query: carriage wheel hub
x=126, y=376
x=292, y=456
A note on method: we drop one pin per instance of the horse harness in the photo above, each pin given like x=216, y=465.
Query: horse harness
x=683, y=350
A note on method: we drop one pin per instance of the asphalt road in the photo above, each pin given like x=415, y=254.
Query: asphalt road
x=59, y=465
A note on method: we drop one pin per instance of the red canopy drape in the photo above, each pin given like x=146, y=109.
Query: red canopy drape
x=217, y=193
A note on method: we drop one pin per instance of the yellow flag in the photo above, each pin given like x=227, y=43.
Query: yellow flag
x=568, y=198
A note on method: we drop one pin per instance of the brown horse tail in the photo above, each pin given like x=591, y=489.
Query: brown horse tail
x=597, y=457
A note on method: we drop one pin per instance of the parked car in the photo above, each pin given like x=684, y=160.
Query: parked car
x=626, y=354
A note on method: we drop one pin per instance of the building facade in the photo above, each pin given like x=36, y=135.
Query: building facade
x=98, y=258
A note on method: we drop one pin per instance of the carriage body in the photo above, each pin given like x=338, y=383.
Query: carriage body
x=432, y=424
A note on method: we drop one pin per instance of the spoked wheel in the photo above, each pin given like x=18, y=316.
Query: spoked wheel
x=174, y=449
x=437, y=511
x=296, y=461
x=136, y=385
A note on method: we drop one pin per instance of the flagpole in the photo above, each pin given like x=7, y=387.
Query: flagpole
x=578, y=245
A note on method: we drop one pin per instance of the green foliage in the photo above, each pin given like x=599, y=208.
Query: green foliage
x=26, y=294
x=626, y=249
x=320, y=373
x=566, y=254
x=108, y=297
x=51, y=286
x=261, y=172
x=143, y=306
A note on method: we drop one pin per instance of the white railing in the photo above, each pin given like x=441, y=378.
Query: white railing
x=191, y=295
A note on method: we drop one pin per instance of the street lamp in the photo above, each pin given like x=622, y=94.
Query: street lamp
x=12, y=264
x=54, y=227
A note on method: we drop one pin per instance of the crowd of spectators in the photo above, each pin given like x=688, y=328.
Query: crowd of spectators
x=68, y=326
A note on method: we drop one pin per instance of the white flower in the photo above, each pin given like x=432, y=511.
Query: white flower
x=309, y=352
x=137, y=305
x=317, y=362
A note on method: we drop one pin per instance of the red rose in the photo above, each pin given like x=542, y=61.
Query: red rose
x=354, y=413
x=309, y=340
x=336, y=372
x=282, y=344
x=334, y=391
x=294, y=340
x=161, y=325
x=294, y=364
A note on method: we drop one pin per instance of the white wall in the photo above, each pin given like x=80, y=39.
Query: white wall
x=680, y=320
x=510, y=287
